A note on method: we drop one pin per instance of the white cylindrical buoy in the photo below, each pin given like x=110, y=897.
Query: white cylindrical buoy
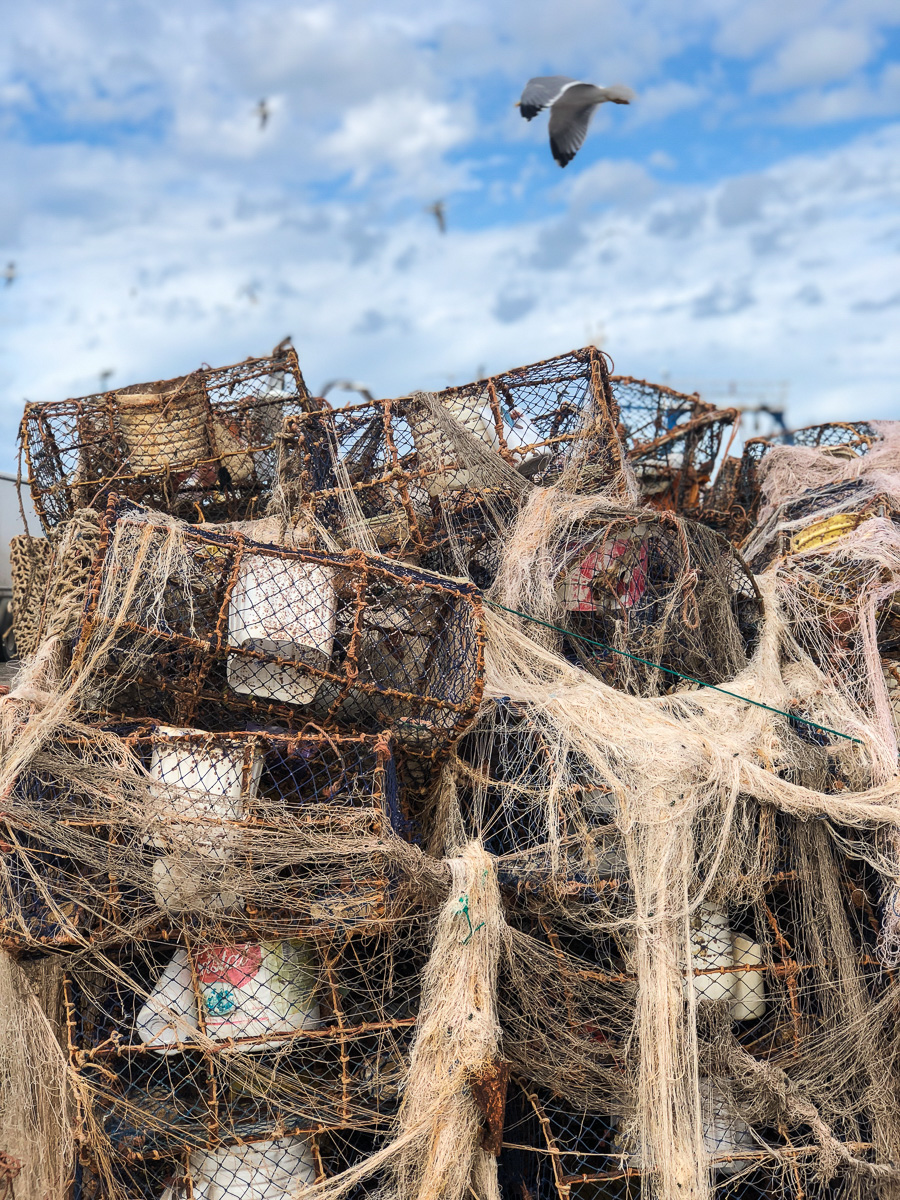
x=724, y=1132
x=285, y=609
x=245, y=992
x=749, y=992
x=253, y=1171
x=711, y=950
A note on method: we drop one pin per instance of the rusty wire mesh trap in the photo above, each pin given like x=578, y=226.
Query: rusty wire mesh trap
x=396, y=475
x=221, y=828
x=638, y=587
x=211, y=1066
x=391, y=471
x=201, y=446
x=217, y=630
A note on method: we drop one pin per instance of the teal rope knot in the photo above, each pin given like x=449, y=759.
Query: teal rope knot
x=463, y=911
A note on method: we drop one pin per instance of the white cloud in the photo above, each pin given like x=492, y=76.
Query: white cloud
x=744, y=30
x=741, y=200
x=661, y=101
x=197, y=237
x=696, y=300
x=816, y=56
x=614, y=182
x=405, y=130
x=858, y=99
x=662, y=160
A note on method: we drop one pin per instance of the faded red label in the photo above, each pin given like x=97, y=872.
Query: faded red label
x=233, y=964
x=629, y=586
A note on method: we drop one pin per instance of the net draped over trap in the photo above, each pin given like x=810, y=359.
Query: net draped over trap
x=190, y=824
x=478, y=795
x=205, y=628
x=439, y=478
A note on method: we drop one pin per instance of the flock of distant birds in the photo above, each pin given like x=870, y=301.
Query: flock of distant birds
x=571, y=102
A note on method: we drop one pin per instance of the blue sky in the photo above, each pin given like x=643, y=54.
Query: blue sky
x=739, y=222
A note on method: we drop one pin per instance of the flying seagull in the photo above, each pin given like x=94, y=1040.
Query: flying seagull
x=571, y=105
x=10, y=273
x=263, y=112
x=439, y=212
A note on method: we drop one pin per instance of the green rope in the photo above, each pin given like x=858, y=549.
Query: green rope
x=463, y=911
x=671, y=671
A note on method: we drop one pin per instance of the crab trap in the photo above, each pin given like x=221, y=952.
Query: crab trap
x=387, y=470
x=49, y=580
x=555, y=1151
x=674, y=470
x=650, y=599
x=648, y=411
x=212, y=630
x=155, y=829
x=202, y=446
x=548, y=823
x=837, y=439
x=211, y=1069
x=816, y=520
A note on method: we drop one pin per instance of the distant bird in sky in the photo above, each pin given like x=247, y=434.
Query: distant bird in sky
x=105, y=376
x=347, y=385
x=571, y=105
x=263, y=112
x=439, y=212
x=9, y=274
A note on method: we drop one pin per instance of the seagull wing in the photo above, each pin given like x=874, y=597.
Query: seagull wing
x=541, y=92
x=569, y=119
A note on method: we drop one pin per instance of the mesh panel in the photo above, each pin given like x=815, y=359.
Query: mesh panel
x=649, y=411
x=532, y=414
x=850, y=439
x=771, y=1014
x=201, y=446
x=674, y=470
x=578, y=1154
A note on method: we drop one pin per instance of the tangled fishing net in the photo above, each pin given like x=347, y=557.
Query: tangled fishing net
x=475, y=823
